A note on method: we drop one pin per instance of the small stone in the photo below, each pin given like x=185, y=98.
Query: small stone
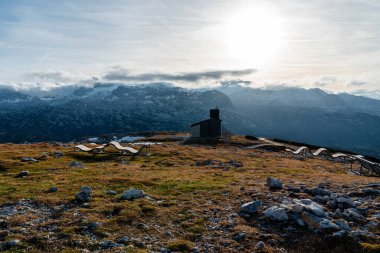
x=340, y=234
x=311, y=220
x=53, y=189
x=239, y=237
x=84, y=195
x=328, y=225
x=10, y=244
x=260, y=245
x=132, y=194
x=76, y=164
x=108, y=244
x=319, y=191
x=58, y=154
x=111, y=192
x=276, y=213
x=29, y=159
x=345, y=200
x=94, y=225
x=274, y=183
x=251, y=207
x=342, y=224
x=23, y=174
x=124, y=240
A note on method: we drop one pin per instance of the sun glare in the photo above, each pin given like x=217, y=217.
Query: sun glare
x=253, y=37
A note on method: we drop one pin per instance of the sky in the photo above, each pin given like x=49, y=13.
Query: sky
x=328, y=44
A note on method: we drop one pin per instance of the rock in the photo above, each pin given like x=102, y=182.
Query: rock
x=108, y=244
x=362, y=234
x=111, y=192
x=345, y=200
x=311, y=220
x=319, y=191
x=297, y=208
x=239, y=237
x=29, y=159
x=94, y=225
x=124, y=240
x=76, y=164
x=58, y=154
x=352, y=214
x=53, y=189
x=84, y=195
x=310, y=206
x=9, y=244
x=342, y=224
x=368, y=191
x=340, y=234
x=23, y=174
x=260, y=245
x=132, y=194
x=328, y=225
x=276, y=213
x=300, y=222
x=251, y=207
x=274, y=183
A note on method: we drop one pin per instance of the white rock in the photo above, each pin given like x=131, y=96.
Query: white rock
x=276, y=213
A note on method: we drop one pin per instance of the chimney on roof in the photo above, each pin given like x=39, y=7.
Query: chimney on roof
x=214, y=113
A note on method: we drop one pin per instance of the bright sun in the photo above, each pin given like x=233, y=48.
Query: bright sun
x=253, y=37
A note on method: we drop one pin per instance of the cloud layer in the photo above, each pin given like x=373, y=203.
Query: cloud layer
x=120, y=74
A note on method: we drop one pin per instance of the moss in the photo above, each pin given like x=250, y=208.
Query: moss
x=181, y=246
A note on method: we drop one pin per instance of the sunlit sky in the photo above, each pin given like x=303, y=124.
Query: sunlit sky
x=329, y=44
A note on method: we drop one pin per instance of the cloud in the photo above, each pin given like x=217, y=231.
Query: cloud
x=357, y=83
x=52, y=76
x=121, y=74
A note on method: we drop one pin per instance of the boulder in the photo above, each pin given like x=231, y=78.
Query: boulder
x=239, y=237
x=84, y=195
x=132, y=194
x=276, y=213
x=251, y=207
x=29, y=159
x=274, y=183
x=340, y=234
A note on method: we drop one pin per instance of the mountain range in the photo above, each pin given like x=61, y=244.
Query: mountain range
x=340, y=121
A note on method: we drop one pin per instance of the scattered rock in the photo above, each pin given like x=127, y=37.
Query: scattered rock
x=345, y=200
x=319, y=191
x=58, y=154
x=108, y=244
x=274, y=183
x=251, y=207
x=328, y=225
x=311, y=220
x=132, y=194
x=124, y=240
x=29, y=159
x=23, y=174
x=111, y=192
x=276, y=213
x=84, y=195
x=340, y=234
x=94, y=225
x=53, y=189
x=239, y=237
x=76, y=164
x=260, y=245
x=9, y=245
x=342, y=224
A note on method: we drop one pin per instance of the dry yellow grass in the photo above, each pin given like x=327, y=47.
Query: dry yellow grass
x=184, y=197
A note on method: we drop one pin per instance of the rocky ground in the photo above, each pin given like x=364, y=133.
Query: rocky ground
x=183, y=198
